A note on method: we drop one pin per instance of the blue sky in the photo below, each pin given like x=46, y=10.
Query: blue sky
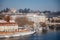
x=52, y=5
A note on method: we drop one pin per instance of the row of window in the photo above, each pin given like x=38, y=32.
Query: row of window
x=8, y=24
x=6, y=28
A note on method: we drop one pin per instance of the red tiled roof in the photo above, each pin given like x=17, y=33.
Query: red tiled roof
x=7, y=24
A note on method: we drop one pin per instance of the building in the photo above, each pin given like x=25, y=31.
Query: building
x=13, y=10
x=36, y=17
x=8, y=26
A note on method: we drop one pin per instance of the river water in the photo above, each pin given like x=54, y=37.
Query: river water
x=51, y=35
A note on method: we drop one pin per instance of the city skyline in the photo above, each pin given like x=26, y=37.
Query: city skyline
x=42, y=5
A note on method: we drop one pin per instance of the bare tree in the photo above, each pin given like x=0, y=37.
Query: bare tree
x=7, y=18
x=23, y=21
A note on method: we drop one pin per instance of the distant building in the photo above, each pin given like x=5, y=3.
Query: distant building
x=55, y=19
x=13, y=10
x=36, y=17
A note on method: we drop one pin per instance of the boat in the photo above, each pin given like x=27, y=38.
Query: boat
x=17, y=34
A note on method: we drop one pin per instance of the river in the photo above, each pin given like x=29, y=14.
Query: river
x=51, y=35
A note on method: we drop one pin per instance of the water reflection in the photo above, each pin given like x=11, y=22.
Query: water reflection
x=16, y=38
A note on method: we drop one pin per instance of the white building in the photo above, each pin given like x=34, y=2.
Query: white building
x=13, y=10
x=36, y=17
x=8, y=26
